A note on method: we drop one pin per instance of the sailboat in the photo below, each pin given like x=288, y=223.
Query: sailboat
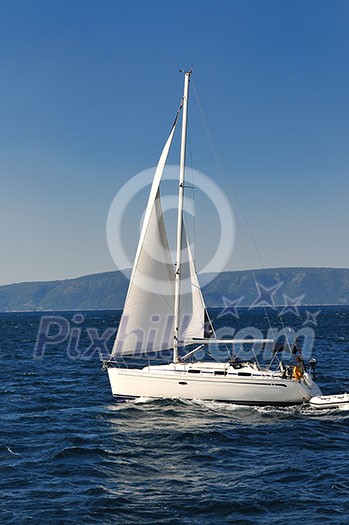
x=165, y=310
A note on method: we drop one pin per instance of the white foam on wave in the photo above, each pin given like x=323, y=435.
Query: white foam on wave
x=289, y=410
x=220, y=406
x=143, y=400
x=11, y=451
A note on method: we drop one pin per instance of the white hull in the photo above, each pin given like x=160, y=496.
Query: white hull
x=252, y=386
x=334, y=401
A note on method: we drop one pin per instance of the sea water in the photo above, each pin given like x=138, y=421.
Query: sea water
x=71, y=455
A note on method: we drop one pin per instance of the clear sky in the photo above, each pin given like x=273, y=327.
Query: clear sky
x=88, y=92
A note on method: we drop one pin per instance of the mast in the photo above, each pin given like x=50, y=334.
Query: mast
x=180, y=215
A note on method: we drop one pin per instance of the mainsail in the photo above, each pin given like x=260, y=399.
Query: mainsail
x=193, y=313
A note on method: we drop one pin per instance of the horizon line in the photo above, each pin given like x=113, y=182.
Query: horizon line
x=200, y=274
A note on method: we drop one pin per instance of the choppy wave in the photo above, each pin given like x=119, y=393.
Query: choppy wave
x=70, y=455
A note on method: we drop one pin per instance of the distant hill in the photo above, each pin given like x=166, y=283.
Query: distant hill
x=108, y=290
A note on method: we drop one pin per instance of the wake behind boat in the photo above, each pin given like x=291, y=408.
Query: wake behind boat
x=165, y=309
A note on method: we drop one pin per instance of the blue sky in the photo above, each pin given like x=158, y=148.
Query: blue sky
x=88, y=93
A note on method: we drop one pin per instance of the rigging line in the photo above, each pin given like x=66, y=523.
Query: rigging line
x=203, y=116
x=193, y=188
x=215, y=144
x=211, y=141
x=191, y=171
x=214, y=147
x=208, y=319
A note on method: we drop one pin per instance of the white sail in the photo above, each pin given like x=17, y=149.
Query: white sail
x=192, y=306
x=147, y=322
x=149, y=301
x=154, y=194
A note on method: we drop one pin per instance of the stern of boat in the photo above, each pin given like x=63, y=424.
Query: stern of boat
x=309, y=387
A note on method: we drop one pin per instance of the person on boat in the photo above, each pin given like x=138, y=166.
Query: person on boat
x=298, y=369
